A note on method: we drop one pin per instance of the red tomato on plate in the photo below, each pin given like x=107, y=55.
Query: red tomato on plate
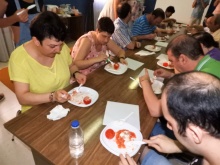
x=165, y=64
x=87, y=100
x=116, y=66
x=109, y=133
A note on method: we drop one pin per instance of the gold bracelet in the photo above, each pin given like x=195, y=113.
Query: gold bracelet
x=51, y=96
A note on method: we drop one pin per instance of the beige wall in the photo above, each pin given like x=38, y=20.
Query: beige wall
x=183, y=9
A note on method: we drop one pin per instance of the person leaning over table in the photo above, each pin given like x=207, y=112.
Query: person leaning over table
x=186, y=54
x=122, y=34
x=145, y=27
x=190, y=104
x=42, y=67
x=19, y=23
x=208, y=44
x=89, y=51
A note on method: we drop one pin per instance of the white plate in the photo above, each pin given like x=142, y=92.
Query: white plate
x=77, y=99
x=151, y=48
x=160, y=63
x=111, y=145
x=122, y=69
x=156, y=86
x=161, y=39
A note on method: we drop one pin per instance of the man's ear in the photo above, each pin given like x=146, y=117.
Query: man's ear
x=195, y=133
x=183, y=59
x=36, y=41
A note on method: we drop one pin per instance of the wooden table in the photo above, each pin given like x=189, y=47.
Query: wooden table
x=48, y=140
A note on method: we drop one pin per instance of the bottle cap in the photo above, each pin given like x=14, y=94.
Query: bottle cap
x=75, y=123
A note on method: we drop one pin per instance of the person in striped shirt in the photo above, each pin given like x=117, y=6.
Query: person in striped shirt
x=145, y=27
x=122, y=34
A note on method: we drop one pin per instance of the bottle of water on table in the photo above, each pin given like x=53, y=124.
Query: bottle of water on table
x=76, y=140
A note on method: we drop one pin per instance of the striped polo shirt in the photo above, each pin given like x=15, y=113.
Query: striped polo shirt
x=142, y=27
x=122, y=34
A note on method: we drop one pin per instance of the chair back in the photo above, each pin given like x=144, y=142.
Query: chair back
x=5, y=79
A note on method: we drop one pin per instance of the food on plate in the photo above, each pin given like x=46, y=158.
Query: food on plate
x=123, y=136
x=167, y=64
x=87, y=100
x=116, y=66
x=110, y=134
x=80, y=97
x=153, y=46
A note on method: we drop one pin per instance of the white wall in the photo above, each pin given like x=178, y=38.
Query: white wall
x=183, y=9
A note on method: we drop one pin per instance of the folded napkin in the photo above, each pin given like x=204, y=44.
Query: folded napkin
x=58, y=112
x=163, y=44
x=144, y=53
x=133, y=64
x=162, y=57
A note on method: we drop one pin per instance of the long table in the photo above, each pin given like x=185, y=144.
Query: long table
x=48, y=140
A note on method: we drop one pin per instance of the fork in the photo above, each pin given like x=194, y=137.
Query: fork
x=77, y=90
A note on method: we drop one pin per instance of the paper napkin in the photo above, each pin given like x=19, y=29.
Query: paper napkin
x=58, y=112
x=133, y=64
x=162, y=57
x=116, y=111
x=144, y=53
x=163, y=44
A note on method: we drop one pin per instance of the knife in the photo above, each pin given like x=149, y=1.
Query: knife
x=29, y=7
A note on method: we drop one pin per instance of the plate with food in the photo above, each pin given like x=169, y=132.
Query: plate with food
x=84, y=97
x=153, y=48
x=116, y=68
x=161, y=39
x=116, y=135
x=165, y=64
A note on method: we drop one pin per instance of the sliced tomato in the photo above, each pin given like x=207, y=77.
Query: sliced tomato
x=87, y=100
x=116, y=66
x=110, y=133
x=165, y=64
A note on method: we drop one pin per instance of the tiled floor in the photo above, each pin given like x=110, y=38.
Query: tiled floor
x=12, y=153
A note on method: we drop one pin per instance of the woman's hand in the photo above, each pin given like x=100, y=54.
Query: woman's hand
x=145, y=77
x=23, y=17
x=102, y=57
x=61, y=96
x=126, y=161
x=123, y=61
x=80, y=78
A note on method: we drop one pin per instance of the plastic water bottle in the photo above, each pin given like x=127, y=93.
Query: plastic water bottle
x=76, y=140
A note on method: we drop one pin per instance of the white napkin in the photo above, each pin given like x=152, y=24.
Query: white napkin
x=133, y=64
x=144, y=53
x=163, y=44
x=115, y=111
x=151, y=74
x=162, y=57
x=58, y=112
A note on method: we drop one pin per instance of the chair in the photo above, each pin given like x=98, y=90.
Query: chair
x=5, y=79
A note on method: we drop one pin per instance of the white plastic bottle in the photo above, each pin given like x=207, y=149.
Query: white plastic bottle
x=76, y=140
